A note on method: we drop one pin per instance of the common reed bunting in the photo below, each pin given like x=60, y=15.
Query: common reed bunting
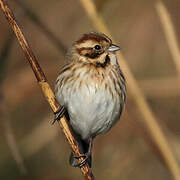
x=91, y=90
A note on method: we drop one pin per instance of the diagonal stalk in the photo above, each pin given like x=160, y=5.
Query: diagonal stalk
x=48, y=93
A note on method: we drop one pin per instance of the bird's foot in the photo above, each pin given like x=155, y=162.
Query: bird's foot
x=59, y=114
x=83, y=162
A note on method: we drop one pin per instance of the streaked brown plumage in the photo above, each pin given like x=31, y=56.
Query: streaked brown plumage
x=91, y=87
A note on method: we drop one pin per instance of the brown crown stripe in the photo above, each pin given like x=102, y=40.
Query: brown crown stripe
x=98, y=37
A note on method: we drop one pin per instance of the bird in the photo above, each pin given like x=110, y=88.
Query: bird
x=91, y=90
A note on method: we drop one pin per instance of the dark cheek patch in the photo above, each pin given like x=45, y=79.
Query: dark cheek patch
x=89, y=52
x=92, y=55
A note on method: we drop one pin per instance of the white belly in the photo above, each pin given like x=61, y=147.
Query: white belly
x=91, y=112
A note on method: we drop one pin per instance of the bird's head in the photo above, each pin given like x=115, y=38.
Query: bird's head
x=94, y=48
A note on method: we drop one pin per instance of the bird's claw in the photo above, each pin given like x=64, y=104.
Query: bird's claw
x=83, y=162
x=59, y=114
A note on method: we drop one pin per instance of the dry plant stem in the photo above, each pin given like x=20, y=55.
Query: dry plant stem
x=148, y=117
x=169, y=33
x=48, y=93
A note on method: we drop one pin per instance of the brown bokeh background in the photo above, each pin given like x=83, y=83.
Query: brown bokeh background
x=127, y=152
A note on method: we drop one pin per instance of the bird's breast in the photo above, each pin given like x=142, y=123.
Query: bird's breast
x=92, y=101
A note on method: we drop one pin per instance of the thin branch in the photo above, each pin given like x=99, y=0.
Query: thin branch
x=48, y=93
x=147, y=114
x=170, y=34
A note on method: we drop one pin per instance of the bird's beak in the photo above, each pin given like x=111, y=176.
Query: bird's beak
x=114, y=47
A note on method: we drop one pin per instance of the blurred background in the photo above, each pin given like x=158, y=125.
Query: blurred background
x=30, y=147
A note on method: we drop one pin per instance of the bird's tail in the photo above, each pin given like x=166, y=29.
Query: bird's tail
x=84, y=146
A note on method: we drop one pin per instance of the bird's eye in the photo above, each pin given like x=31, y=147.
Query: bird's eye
x=97, y=47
